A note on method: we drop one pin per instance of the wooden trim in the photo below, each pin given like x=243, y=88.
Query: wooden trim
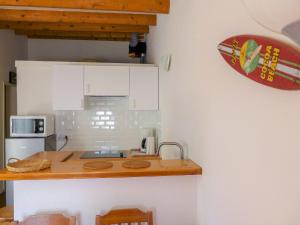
x=73, y=33
x=125, y=216
x=149, y=6
x=76, y=17
x=77, y=35
x=73, y=27
x=53, y=219
x=77, y=38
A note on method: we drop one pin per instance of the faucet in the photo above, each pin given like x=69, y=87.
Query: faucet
x=171, y=143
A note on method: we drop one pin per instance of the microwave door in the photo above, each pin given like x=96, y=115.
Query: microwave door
x=23, y=126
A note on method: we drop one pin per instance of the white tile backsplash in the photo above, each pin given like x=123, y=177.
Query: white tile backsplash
x=106, y=124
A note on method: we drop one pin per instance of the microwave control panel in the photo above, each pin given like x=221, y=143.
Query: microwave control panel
x=39, y=126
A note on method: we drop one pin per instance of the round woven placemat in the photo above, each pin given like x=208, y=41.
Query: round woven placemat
x=97, y=165
x=136, y=164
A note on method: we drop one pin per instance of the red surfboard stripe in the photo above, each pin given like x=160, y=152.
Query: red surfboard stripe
x=284, y=62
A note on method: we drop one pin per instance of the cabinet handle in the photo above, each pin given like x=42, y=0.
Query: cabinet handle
x=134, y=103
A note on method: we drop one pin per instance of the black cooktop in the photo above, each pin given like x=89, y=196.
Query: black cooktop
x=103, y=154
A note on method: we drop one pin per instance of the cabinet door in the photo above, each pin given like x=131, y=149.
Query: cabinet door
x=106, y=80
x=68, y=87
x=143, y=88
x=34, y=89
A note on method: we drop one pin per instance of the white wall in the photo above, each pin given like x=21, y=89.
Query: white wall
x=167, y=197
x=11, y=48
x=276, y=20
x=243, y=134
x=78, y=50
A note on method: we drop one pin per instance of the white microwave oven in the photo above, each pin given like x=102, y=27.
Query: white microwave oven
x=31, y=126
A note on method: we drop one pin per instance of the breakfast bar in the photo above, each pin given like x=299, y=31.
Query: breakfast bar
x=69, y=165
x=71, y=188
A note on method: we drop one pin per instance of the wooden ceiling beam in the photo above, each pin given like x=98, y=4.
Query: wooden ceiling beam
x=73, y=27
x=77, y=38
x=148, y=6
x=76, y=17
x=75, y=34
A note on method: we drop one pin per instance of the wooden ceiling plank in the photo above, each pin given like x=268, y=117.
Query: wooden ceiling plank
x=76, y=17
x=72, y=33
x=75, y=34
x=73, y=27
x=148, y=6
x=77, y=38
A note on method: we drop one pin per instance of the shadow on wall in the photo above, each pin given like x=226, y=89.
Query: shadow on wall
x=79, y=50
x=284, y=17
x=293, y=31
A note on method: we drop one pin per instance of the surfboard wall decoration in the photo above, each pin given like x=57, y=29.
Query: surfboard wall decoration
x=264, y=60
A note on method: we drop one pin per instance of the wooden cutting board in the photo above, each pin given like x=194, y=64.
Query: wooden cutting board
x=136, y=164
x=97, y=165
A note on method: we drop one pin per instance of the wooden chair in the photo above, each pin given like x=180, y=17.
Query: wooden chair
x=125, y=216
x=8, y=223
x=48, y=219
x=6, y=214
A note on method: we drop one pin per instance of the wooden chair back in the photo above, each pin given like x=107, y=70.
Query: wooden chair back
x=8, y=223
x=6, y=214
x=125, y=216
x=49, y=219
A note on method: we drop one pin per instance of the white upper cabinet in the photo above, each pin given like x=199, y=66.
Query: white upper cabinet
x=106, y=80
x=143, y=88
x=67, y=91
x=34, y=89
x=44, y=87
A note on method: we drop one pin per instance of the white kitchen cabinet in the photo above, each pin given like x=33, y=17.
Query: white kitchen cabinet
x=44, y=87
x=67, y=91
x=34, y=88
x=143, y=88
x=106, y=80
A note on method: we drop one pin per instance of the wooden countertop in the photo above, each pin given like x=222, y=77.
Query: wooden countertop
x=68, y=165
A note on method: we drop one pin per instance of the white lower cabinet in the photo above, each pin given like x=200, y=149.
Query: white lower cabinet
x=106, y=80
x=67, y=91
x=144, y=89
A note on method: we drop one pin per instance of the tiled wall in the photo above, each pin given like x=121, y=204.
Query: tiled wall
x=106, y=124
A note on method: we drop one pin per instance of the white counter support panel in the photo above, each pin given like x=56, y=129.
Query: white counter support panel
x=172, y=199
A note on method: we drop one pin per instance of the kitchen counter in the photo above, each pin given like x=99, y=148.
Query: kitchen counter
x=68, y=165
x=163, y=186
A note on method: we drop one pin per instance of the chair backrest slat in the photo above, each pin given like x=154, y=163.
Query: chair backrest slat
x=125, y=216
x=49, y=219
